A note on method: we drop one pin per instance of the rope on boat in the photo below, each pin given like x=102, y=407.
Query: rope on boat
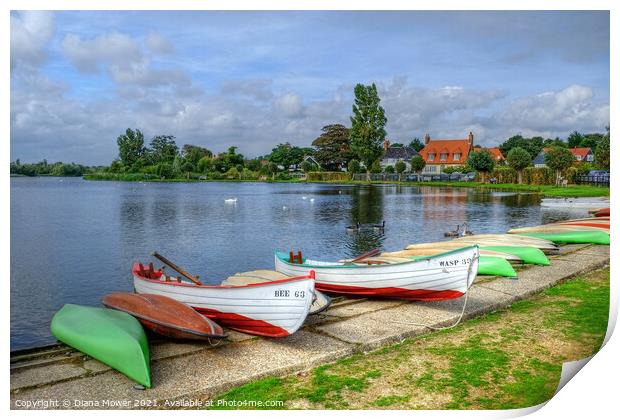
x=458, y=321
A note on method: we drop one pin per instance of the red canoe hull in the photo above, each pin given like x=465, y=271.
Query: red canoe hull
x=165, y=316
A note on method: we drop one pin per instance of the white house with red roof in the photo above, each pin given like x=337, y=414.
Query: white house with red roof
x=440, y=154
x=582, y=154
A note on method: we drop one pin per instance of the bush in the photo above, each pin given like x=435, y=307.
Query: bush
x=354, y=166
x=164, y=170
x=389, y=169
x=329, y=176
x=205, y=164
x=504, y=175
x=375, y=168
x=538, y=176
x=188, y=166
x=417, y=163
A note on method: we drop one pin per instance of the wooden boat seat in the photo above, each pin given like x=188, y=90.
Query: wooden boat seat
x=253, y=277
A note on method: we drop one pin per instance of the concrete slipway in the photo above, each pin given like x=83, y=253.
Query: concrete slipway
x=64, y=378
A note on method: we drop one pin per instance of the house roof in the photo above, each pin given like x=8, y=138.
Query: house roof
x=398, y=152
x=540, y=159
x=462, y=146
x=581, y=151
x=495, y=152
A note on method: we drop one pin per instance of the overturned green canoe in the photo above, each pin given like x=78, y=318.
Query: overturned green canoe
x=528, y=254
x=110, y=336
x=490, y=266
x=495, y=266
x=576, y=237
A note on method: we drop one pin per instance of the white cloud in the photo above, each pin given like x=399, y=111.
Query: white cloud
x=110, y=49
x=158, y=43
x=290, y=104
x=552, y=112
x=31, y=31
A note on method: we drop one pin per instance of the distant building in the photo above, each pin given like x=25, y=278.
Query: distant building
x=392, y=154
x=539, y=161
x=495, y=153
x=582, y=154
x=440, y=154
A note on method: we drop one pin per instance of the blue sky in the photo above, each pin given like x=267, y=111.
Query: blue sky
x=254, y=79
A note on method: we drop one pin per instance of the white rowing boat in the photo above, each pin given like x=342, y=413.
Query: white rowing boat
x=444, y=276
x=320, y=302
x=272, y=308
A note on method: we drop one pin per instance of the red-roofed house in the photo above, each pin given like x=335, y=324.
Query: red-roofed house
x=495, y=152
x=439, y=154
x=582, y=154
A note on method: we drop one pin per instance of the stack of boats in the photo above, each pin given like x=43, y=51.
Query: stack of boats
x=275, y=303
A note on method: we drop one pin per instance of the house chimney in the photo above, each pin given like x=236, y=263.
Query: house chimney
x=386, y=144
x=471, y=137
x=427, y=138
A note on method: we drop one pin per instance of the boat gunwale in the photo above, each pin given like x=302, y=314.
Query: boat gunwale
x=135, y=272
x=280, y=255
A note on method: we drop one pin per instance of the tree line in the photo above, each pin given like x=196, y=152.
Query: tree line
x=337, y=148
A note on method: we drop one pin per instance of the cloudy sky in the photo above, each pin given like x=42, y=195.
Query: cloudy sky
x=254, y=79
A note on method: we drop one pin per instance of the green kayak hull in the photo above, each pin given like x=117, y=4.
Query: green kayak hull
x=110, y=336
x=490, y=266
x=578, y=237
x=528, y=254
x=495, y=266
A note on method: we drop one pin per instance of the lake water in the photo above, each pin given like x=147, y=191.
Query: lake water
x=73, y=241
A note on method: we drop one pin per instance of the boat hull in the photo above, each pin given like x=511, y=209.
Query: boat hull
x=270, y=309
x=165, y=316
x=573, y=237
x=445, y=276
x=110, y=336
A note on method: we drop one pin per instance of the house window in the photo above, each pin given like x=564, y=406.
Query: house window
x=443, y=156
x=456, y=156
x=431, y=156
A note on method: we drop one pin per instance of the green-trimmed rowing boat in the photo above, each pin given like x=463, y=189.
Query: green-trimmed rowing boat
x=110, y=336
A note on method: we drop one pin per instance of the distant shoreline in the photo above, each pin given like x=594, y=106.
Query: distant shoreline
x=545, y=190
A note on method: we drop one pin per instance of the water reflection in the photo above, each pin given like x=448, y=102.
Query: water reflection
x=73, y=229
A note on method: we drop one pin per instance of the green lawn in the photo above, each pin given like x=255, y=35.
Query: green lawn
x=507, y=359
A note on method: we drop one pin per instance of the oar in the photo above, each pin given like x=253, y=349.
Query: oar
x=371, y=253
x=176, y=267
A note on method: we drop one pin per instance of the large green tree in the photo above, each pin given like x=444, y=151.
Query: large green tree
x=285, y=154
x=416, y=144
x=130, y=147
x=163, y=149
x=575, y=139
x=533, y=145
x=227, y=160
x=193, y=153
x=481, y=162
x=368, y=121
x=601, y=153
x=559, y=159
x=333, y=147
x=518, y=159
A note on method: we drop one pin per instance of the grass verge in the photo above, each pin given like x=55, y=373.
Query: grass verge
x=507, y=359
